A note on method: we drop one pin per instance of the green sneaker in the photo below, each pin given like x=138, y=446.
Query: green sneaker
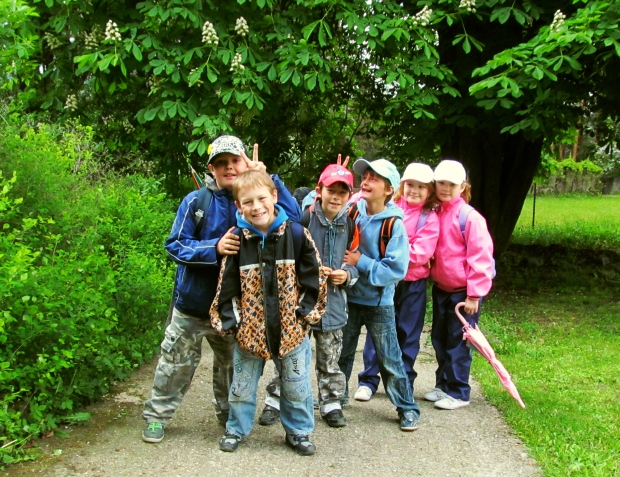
x=153, y=432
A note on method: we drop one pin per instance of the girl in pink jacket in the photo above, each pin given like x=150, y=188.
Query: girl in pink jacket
x=463, y=271
x=416, y=197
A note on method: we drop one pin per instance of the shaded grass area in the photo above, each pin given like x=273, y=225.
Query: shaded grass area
x=554, y=321
x=577, y=220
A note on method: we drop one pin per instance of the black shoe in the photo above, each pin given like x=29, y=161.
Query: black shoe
x=229, y=442
x=335, y=418
x=269, y=416
x=301, y=444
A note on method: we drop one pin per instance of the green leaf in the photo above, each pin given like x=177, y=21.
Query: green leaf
x=202, y=147
x=211, y=74
x=311, y=82
x=272, y=74
x=537, y=73
x=296, y=78
x=150, y=114
x=466, y=46
x=308, y=29
x=136, y=52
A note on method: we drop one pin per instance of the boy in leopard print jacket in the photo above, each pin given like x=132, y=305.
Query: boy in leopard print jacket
x=268, y=295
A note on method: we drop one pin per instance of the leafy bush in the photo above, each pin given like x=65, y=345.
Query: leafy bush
x=84, y=280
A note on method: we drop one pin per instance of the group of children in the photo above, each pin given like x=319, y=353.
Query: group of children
x=274, y=275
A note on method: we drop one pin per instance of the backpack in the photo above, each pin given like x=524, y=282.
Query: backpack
x=353, y=240
x=387, y=226
x=463, y=213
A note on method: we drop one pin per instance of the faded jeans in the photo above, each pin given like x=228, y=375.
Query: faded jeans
x=296, y=402
x=381, y=324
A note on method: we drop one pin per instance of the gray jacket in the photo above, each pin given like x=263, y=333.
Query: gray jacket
x=331, y=240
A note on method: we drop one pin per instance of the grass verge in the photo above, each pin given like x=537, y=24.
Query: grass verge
x=559, y=336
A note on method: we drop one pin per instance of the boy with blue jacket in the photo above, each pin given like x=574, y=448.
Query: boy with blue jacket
x=333, y=232
x=371, y=300
x=198, y=254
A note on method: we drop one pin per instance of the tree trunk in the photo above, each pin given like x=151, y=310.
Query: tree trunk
x=501, y=168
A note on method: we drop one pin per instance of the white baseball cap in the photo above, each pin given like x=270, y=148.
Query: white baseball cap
x=451, y=171
x=418, y=172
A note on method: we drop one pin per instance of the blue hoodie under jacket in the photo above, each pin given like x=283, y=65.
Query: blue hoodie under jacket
x=378, y=276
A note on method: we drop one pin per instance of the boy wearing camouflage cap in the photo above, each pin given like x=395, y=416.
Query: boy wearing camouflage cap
x=198, y=254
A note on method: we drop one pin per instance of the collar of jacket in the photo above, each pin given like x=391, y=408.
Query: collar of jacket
x=279, y=220
x=318, y=208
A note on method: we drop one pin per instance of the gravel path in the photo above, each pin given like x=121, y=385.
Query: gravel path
x=473, y=441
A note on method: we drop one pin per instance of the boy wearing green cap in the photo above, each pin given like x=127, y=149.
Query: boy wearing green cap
x=371, y=299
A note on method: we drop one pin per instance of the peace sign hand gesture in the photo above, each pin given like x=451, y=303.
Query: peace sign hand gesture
x=253, y=164
x=346, y=160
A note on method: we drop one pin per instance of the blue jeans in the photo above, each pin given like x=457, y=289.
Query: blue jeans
x=381, y=324
x=410, y=305
x=453, y=354
x=296, y=401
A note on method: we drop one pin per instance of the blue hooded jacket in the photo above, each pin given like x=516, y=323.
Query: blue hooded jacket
x=197, y=258
x=378, y=276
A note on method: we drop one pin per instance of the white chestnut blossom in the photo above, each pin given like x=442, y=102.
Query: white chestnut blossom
x=423, y=17
x=558, y=21
x=241, y=27
x=235, y=64
x=209, y=35
x=111, y=31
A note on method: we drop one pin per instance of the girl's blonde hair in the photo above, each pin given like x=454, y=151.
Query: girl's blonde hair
x=466, y=194
x=252, y=179
x=431, y=201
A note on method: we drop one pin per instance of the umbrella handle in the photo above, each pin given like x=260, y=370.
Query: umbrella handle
x=458, y=313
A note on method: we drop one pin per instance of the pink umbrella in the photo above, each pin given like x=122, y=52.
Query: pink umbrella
x=475, y=338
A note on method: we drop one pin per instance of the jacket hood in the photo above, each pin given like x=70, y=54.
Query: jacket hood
x=390, y=211
x=281, y=217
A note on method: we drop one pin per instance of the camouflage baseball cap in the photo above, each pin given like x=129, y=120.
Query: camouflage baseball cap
x=230, y=144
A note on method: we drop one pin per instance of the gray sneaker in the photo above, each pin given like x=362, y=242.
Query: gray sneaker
x=153, y=432
x=269, y=416
x=301, y=444
x=408, y=421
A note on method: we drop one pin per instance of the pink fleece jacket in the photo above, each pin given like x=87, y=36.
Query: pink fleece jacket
x=422, y=242
x=463, y=263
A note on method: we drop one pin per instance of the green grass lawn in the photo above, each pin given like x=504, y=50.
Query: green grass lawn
x=576, y=220
x=553, y=318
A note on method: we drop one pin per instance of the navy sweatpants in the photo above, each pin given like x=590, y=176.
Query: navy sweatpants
x=453, y=354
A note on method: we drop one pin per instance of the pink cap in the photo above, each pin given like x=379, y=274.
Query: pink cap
x=336, y=173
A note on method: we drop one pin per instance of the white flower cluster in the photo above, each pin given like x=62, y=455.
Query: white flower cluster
x=423, y=17
x=558, y=21
x=469, y=5
x=111, y=31
x=209, y=35
x=241, y=27
x=128, y=126
x=52, y=41
x=235, y=64
x=71, y=102
x=91, y=40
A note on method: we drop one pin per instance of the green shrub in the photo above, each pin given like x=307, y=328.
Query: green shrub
x=84, y=280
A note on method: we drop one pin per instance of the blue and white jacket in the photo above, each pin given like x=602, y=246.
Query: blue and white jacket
x=378, y=277
x=197, y=258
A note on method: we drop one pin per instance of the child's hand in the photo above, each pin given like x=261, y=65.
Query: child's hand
x=338, y=277
x=254, y=164
x=351, y=258
x=471, y=305
x=327, y=270
x=228, y=244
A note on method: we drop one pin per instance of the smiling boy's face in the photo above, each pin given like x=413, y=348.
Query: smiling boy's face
x=225, y=168
x=257, y=205
x=333, y=198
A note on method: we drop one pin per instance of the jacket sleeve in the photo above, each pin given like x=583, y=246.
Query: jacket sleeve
x=312, y=282
x=226, y=307
x=422, y=244
x=480, y=263
x=393, y=267
x=352, y=275
x=286, y=200
x=182, y=245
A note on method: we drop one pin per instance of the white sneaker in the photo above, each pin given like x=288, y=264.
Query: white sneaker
x=450, y=403
x=363, y=393
x=435, y=395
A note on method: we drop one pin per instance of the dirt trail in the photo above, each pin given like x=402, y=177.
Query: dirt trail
x=370, y=445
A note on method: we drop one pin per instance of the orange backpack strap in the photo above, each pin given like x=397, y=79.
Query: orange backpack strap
x=387, y=227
